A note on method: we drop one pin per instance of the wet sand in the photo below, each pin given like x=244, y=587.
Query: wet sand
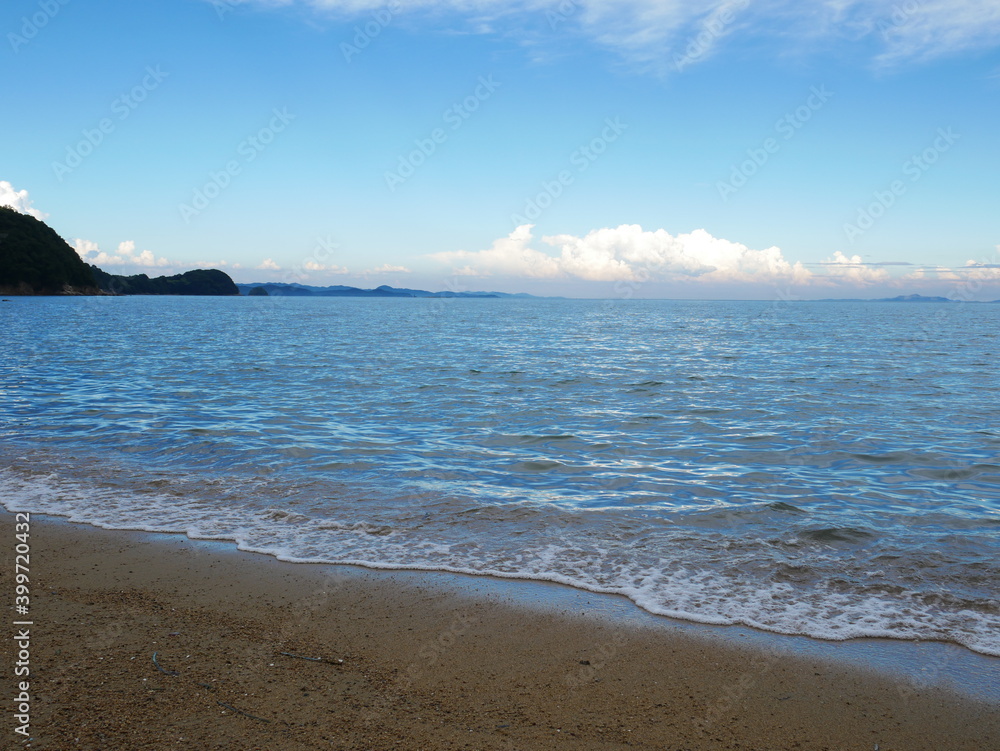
x=254, y=653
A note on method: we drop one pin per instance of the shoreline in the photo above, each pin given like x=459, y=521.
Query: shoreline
x=950, y=666
x=428, y=661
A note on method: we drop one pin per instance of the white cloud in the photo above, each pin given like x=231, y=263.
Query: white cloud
x=697, y=260
x=268, y=264
x=467, y=271
x=984, y=271
x=311, y=264
x=930, y=274
x=218, y=265
x=385, y=268
x=18, y=200
x=509, y=256
x=83, y=247
x=124, y=256
x=627, y=253
x=852, y=269
x=659, y=32
x=146, y=258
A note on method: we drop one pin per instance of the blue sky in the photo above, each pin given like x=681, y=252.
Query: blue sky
x=747, y=149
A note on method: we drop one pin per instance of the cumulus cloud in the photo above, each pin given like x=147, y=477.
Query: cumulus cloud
x=508, y=256
x=85, y=247
x=630, y=254
x=18, y=200
x=626, y=253
x=662, y=32
x=981, y=271
x=852, y=269
x=268, y=264
x=124, y=256
x=386, y=268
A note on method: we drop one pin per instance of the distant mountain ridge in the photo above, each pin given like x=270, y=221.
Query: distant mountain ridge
x=280, y=289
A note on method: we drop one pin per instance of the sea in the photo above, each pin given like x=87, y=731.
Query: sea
x=827, y=469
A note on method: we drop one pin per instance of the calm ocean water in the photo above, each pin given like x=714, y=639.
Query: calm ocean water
x=827, y=469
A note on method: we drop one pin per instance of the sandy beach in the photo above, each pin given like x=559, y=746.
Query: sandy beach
x=179, y=645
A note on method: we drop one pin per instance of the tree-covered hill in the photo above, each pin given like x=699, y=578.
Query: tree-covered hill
x=34, y=260
x=197, y=282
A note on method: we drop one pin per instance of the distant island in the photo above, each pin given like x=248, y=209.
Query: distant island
x=197, y=282
x=902, y=298
x=34, y=260
x=306, y=290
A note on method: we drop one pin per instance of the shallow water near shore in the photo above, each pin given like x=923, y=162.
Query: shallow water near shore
x=827, y=470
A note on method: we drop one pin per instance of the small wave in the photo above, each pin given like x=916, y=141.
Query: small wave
x=542, y=465
x=530, y=439
x=958, y=473
x=377, y=530
x=281, y=515
x=648, y=384
x=883, y=458
x=837, y=534
x=782, y=506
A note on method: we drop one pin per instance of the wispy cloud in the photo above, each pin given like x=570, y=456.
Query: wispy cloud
x=656, y=33
x=981, y=272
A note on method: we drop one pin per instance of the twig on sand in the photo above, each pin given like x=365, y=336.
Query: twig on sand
x=300, y=657
x=240, y=711
x=165, y=672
